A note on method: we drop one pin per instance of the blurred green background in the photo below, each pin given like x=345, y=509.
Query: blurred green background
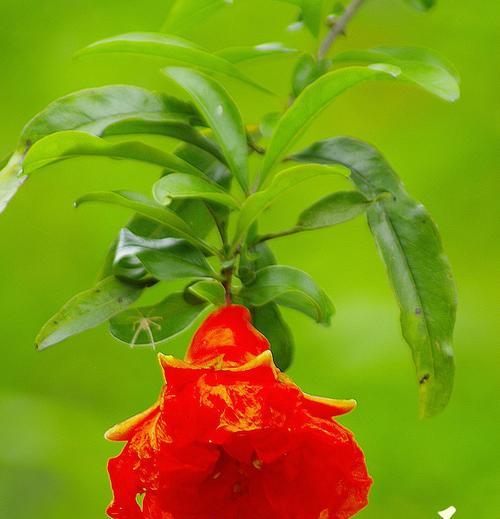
x=55, y=405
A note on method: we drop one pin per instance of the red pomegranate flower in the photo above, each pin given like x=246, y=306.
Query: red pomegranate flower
x=231, y=437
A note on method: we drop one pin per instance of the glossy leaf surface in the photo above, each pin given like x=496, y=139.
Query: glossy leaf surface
x=222, y=115
x=419, y=271
x=420, y=66
x=149, y=325
x=180, y=186
x=87, y=310
x=290, y=287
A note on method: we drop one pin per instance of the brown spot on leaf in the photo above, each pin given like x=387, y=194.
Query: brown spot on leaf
x=424, y=378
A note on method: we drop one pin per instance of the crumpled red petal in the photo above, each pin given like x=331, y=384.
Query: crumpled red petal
x=231, y=437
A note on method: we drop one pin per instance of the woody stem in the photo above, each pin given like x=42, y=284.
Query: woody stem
x=227, y=274
x=339, y=27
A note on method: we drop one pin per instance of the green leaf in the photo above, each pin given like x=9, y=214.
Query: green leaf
x=269, y=321
x=209, y=290
x=149, y=209
x=87, y=310
x=180, y=186
x=419, y=271
x=333, y=209
x=264, y=50
x=419, y=66
x=149, y=325
x=255, y=204
x=313, y=14
x=170, y=47
x=307, y=71
x=253, y=259
x=165, y=258
x=290, y=287
x=90, y=111
x=421, y=5
x=70, y=144
x=221, y=114
x=169, y=125
x=312, y=101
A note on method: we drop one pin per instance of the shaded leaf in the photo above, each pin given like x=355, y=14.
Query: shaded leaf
x=170, y=47
x=264, y=50
x=333, y=209
x=255, y=204
x=290, y=287
x=222, y=115
x=420, y=66
x=419, y=271
x=307, y=71
x=149, y=325
x=183, y=14
x=87, y=310
x=269, y=321
x=149, y=209
x=209, y=290
x=68, y=145
x=312, y=101
x=164, y=258
x=312, y=13
x=180, y=186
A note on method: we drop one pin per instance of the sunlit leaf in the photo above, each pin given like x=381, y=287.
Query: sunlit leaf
x=170, y=47
x=149, y=209
x=68, y=145
x=209, y=290
x=419, y=271
x=264, y=50
x=420, y=66
x=164, y=258
x=87, y=310
x=255, y=204
x=149, y=325
x=311, y=102
x=180, y=186
x=307, y=70
x=183, y=14
x=91, y=111
x=222, y=115
x=312, y=13
x=269, y=321
x=290, y=287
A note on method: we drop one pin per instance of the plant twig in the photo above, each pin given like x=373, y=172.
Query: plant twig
x=339, y=27
x=280, y=234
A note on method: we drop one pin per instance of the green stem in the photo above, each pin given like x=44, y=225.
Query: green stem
x=280, y=234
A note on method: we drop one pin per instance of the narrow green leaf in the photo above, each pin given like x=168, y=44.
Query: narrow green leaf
x=421, y=5
x=306, y=72
x=420, y=66
x=264, y=50
x=169, y=125
x=290, y=287
x=165, y=258
x=313, y=100
x=222, y=115
x=149, y=209
x=419, y=271
x=149, y=325
x=87, y=310
x=90, y=111
x=67, y=145
x=333, y=209
x=269, y=321
x=209, y=290
x=170, y=47
x=181, y=186
x=255, y=204
x=312, y=13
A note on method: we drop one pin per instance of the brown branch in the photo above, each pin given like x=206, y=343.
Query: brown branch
x=339, y=27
